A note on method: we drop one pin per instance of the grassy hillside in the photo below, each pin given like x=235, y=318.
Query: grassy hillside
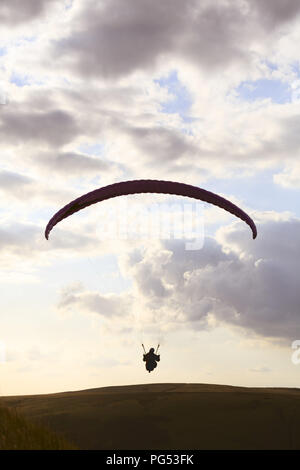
x=170, y=416
x=17, y=433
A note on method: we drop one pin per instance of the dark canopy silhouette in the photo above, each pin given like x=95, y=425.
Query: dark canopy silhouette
x=147, y=186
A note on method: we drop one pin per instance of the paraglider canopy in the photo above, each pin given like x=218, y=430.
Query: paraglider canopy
x=148, y=186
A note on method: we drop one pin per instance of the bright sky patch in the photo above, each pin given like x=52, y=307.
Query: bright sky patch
x=180, y=101
x=91, y=149
x=276, y=90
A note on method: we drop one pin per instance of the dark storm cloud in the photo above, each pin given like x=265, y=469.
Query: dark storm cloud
x=54, y=127
x=116, y=38
x=15, y=12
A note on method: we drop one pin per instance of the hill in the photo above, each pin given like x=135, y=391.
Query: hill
x=18, y=433
x=169, y=416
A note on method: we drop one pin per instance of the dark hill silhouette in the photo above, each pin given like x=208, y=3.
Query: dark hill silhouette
x=169, y=416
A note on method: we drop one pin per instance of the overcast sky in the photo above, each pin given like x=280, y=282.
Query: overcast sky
x=201, y=92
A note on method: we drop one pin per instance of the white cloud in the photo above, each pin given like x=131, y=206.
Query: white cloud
x=107, y=305
x=289, y=177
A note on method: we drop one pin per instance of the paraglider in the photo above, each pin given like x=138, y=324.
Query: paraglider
x=151, y=358
x=148, y=186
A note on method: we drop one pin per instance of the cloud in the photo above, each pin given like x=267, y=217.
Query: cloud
x=289, y=177
x=53, y=127
x=109, y=306
x=14, y=12
x=226, y=138
x=275, y=12
x=247, y=285
x=23, y=189
x=14, y=182
x=23, y=246
x=131, y=36
x=72, y=163
x=114, y=39
x=18, y=238
x=161, y=146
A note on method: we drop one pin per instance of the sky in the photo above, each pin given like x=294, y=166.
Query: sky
x=199, y=92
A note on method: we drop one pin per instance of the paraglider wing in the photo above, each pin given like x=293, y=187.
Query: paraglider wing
x=147, y=186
